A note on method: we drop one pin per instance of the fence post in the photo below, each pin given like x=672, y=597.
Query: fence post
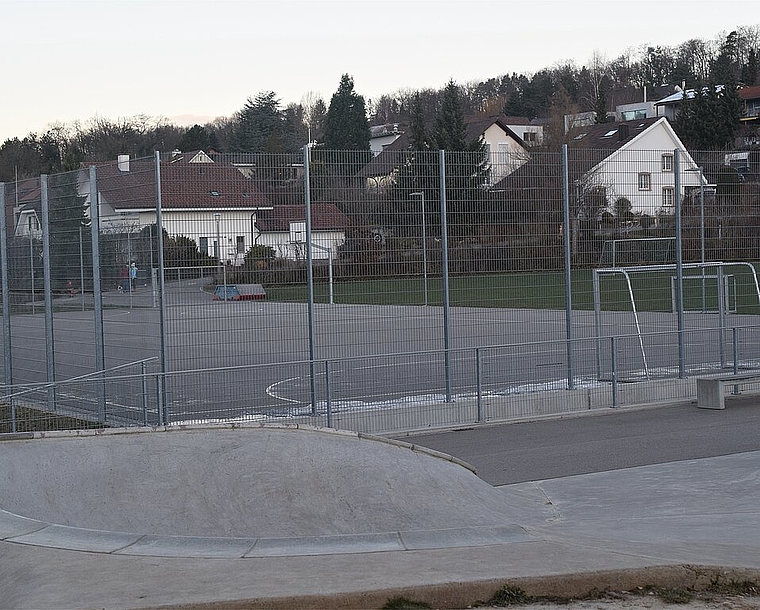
x=162, y=406
x=445, y=265
x=48, y=288
x=144, y=380
x=479, y=385
x=613, y=348
x=7, y=351
x=568, y=270
x=328, y=397
x=309, y=276
x=735, y=338
x=679, y=265
x=97, y=296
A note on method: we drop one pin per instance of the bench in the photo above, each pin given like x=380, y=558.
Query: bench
x=240, y=292
x=711, y=390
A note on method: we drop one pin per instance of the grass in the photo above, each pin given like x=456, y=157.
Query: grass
x=540, y=290
x=33, y=420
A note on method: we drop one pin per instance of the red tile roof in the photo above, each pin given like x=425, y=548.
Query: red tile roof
x=324, y=216
x=183, y=185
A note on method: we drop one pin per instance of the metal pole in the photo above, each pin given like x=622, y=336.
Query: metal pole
x=217, y=218
x=613, y=349
x=568, y=270
x=48, y=287
x=162, y=406
x=721, y=314
x=702, y=231
x=309, y=276
x=81, y=268
x=445, y=265
x=144, y=379
x=97, y=296
x=424, y=247
x=479, y=384
x=327, y=394
x=421, y=195
x=679, y=266
x=31, y=267
x=7, y=351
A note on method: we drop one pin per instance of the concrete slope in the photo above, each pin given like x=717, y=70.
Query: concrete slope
x=249, y=481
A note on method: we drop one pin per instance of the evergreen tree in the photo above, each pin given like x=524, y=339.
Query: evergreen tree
x=346, y=123
x=709, y=120
x=195, y=138
x=69, y=225
x=259, y=125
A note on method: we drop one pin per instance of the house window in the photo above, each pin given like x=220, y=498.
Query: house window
x=240, y=244
x=645, y=182
x=667, y=163
x=203, y=245
x=529, y=137
x=668, y=196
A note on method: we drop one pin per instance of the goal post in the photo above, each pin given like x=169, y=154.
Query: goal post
x=636, y=252
x=710, y=290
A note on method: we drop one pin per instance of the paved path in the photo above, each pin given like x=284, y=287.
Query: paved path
x=316, y=519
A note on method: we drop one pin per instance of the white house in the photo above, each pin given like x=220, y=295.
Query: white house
x=631, y=160
x=638, y=163
x=505, y=149
x=283, y=228
x=213, y=204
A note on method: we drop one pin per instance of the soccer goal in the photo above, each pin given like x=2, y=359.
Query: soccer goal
x=633, y=252
x=709, y=288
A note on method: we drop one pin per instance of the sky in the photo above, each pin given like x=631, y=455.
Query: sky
x=190, y=61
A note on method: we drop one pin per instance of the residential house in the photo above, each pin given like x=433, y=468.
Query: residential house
x=749, y=133
x=506, y=151
x=213, y=204
x=631, y=160
x=382, y=136
x=283, y=228
x=23, y=209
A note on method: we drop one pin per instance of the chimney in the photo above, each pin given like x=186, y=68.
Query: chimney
x=122, y=161
x=622, y=132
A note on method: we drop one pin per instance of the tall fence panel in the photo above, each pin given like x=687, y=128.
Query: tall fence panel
x=413, y=288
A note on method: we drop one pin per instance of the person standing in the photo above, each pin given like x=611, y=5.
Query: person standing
x=133, y=276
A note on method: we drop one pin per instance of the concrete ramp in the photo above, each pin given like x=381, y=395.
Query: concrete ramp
x=255, y=484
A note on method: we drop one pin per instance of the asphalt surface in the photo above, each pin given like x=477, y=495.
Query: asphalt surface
x=600, y=441
x=271, y=517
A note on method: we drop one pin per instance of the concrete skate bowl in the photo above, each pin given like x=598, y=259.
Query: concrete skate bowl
x=241, y=491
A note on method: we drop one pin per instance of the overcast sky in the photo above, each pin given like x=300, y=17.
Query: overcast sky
x=191, y=61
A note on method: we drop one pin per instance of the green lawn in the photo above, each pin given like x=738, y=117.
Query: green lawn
x=540, y=290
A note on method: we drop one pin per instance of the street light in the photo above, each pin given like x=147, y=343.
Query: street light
x=421, y=195
x=700, y=169
x=223, y=268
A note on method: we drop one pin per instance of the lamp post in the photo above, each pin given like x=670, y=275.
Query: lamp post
x=220, y=264
x=700, y=169
x=421, y=195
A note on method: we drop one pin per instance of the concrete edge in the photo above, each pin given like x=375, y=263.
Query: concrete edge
x=67, y=434
x=457, y=595
x=23, y=531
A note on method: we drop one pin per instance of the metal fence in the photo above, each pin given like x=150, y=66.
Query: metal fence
x=407, y=290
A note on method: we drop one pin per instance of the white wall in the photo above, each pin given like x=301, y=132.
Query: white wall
x=619, y=174
x=280, y=242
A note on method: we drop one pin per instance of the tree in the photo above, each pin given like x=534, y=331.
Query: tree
x=709, y=120
x=260, y=127
x=196, y=138
x=346, y=123
x=69, y=231
x=314, y=113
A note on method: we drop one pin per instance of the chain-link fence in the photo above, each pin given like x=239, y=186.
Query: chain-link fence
x=406, y=290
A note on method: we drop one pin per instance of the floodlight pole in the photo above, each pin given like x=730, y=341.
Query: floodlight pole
x=701, y=170
x=421, y=195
